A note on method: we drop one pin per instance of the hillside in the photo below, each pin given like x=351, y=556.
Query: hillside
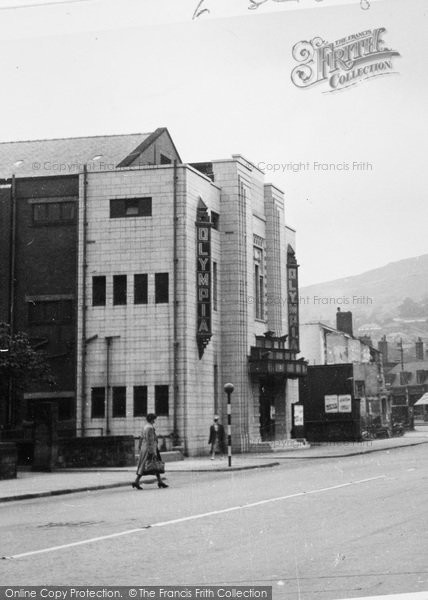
x=375, y=299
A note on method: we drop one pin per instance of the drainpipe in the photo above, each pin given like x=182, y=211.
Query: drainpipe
x=175, y=310
x=83, y=394
x=12, y=288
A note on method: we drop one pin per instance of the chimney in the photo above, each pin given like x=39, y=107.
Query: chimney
x=419, y=349
x=383, y=348
x=344, y=321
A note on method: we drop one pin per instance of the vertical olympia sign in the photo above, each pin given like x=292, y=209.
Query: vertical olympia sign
x=203, y=277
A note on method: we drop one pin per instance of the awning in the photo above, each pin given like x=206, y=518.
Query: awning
x=423, y=400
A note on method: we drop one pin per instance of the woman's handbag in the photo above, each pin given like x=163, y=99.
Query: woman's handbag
x=154, y=465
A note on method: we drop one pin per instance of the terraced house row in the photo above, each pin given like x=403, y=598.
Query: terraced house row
x=150, y=283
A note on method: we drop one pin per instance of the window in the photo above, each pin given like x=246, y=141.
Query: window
x=164, y=160
x=130, y=207
x=140, y=289
x=259, y=290
x=140, y=401
x=52, y=312
x=214, y=285
x=98, y=403
x=119, y=402
x=161, y=288
x=54, y=212
x=99, y=290
x=360, y=389
x=405, y=377
x=215, y=217
x=421, y=376
x=161, y=400
x=119, y=289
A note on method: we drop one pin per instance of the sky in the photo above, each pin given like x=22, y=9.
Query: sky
x=222, y=85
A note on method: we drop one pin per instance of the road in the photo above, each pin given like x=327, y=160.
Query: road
x=313, y=529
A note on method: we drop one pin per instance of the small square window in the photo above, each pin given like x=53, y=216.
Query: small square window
x=140, y=401
x=119, y=402
x=98, y=403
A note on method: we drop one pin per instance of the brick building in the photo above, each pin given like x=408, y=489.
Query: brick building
x=150, y=283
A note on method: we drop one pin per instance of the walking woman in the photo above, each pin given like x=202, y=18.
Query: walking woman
x=149, y=462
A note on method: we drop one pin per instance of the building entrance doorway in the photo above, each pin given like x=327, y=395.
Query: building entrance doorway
x=268, y=390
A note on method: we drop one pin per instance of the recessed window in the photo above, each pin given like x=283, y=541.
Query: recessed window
x=130, y=207
x=140, y=401
x=98, y=403
x=50, y=312
x=99, y=290
x=162, y=400
x=119, y=402
x=215, y=218
x=119, y=289
x=140, y=289
x=164, y=160
x=161, y=288
x=54, y=212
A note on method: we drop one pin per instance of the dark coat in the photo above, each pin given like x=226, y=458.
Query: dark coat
x=220, y=436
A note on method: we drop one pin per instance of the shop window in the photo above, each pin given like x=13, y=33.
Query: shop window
x=140, y=289
x=161, y=400
x=54, y=213
x=98, y=290
x=130, y=207
x=161, y=288
x=140, y=401
x=50, y=312
x=119, y=289
x=98, y=403
x=119, y=402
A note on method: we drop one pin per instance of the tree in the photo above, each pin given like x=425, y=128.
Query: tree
x=20, y=364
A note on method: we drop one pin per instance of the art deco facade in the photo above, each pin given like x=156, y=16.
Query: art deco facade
x=151, y=283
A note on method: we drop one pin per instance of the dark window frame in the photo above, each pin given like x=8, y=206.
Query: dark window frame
x=140, y=400
x=99, y=294
x=162, y=399
x=141, y=288
x=49, y=207
x=120, y=293
x=98, y=400
x=161, y=288
x=119, y=207
x=118, y=404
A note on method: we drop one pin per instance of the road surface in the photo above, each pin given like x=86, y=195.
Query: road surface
x=313, y=529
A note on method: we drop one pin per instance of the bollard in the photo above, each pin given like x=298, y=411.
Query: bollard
x=228, y=388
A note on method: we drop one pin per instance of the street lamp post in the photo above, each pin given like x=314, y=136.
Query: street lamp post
x=228, y=388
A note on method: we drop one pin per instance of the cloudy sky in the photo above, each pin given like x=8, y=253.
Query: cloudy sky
x=221, y=84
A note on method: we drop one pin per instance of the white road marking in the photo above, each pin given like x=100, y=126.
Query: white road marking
x=190, y=518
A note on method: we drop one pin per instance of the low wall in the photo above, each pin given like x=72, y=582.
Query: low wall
x=111, y=451
x=8, y=460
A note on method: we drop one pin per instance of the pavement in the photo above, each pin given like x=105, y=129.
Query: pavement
x=29, y=484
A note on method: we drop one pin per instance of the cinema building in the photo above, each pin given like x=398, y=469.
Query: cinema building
x=150, y=283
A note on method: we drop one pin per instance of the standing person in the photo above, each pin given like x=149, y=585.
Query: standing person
x=216, y=438
x=148, y=448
